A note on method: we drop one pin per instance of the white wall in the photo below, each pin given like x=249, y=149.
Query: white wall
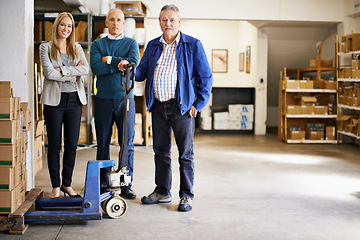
x=17, y=59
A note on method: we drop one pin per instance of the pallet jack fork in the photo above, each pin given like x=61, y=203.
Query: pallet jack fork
x=91, y=205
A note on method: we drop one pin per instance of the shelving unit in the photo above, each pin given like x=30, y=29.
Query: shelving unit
x=345, y=108
x=289, y=96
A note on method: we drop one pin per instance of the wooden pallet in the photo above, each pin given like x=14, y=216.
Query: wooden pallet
x=14, y=222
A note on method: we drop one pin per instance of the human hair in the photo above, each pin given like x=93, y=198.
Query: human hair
x=115, y=9
x=170, y=7
x=70, y=41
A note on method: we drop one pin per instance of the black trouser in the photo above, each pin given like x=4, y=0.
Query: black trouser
x=67, y=114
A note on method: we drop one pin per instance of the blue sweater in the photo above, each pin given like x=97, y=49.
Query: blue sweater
x=108, y=75
x=194, y=73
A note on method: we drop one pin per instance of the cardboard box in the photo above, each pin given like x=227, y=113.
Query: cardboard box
x=355, y=64
x=80, y=31
x=315, y=135
x=345, y=73
x=306, y=84
x=7, y=108
x=5, y=89
x=10, y=177
x=132, y=7
x=318, y=84
x=329, y=84
x=9, y=155
x=293, y=84
x=246, y=125
x=234, y=108
x=294, y=109
x=247, y=108
x=307, y=109
x=11, y=200
x=343, y=120
x=38, y=154
x=9, y=131
x=221, y=125
x=83, y=133
x=323, y=110
x=308, y=101
x=330, y=133
x=351, y=128
x=355, y=44
x=234, y=116
x=40, y=128
x=341, y=99
x=234, y=125
x=247, y=118
x=138, y=137
x=348, y=43
x=313, y=63
x=296, y=135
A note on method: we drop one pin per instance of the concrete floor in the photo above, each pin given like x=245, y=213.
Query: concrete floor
x=247, y=187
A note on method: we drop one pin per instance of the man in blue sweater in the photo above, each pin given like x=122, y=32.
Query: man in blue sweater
x=109, y=56
x=178, y=85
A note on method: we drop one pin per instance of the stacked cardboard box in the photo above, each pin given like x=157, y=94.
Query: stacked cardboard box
x=206, y=118
x=350, y=95
x=241, y=116
x=350, y=42
x=349, y=123
x=14, y=124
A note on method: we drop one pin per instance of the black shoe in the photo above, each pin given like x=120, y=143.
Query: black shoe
x=65, y=192
x=185, y=204
x=127, y=192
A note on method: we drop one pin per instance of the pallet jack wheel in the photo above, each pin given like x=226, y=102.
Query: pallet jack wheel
x=115, y=207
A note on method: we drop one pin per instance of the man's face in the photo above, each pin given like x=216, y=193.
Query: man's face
x=115, y=22
x=169, y=22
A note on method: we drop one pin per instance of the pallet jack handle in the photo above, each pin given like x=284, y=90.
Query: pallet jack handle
x=127, y=85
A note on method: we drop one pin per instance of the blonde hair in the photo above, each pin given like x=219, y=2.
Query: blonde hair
x=70, y=41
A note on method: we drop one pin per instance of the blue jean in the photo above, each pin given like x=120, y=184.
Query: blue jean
x=67, y=114
x=166, y=117
x=108, y=111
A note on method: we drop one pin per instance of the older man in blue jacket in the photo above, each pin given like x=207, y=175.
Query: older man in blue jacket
x=179, y=82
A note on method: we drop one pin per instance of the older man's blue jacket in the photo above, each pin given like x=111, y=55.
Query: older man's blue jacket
x=194, y=73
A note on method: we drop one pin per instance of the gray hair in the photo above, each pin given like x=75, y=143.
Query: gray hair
x=171, y=7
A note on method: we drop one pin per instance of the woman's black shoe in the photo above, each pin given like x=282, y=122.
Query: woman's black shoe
x=65, y=192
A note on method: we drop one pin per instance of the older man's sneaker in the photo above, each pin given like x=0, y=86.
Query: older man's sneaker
x=127, y=192
x=156, y=198
x=185, y=204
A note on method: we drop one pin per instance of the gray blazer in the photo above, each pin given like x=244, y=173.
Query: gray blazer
x=51, y=93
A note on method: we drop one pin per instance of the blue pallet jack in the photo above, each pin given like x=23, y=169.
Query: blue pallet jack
x=91, y=206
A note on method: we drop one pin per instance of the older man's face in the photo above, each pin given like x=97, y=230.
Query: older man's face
x=169, y=23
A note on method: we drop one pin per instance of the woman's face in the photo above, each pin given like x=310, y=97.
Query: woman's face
x=64, y=28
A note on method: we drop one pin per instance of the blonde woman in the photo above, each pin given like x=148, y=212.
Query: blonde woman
x=64, y=63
